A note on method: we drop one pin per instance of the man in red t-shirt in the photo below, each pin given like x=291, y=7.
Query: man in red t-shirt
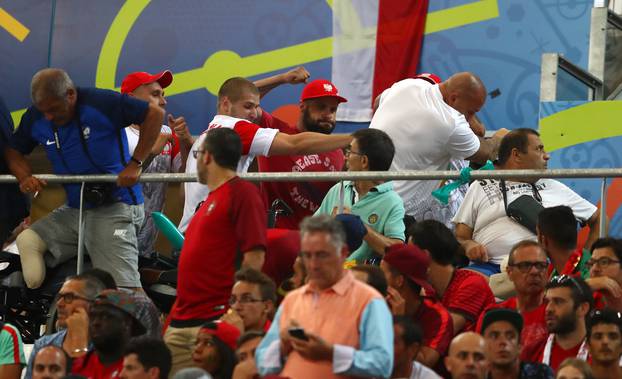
x=318, y=109
x=527, y=271
x=464, y=293
x=405, y=268
x=568, y=301
x=228, y=228
x=113, y=320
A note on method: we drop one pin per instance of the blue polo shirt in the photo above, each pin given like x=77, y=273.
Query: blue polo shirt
x=381, y=208
x=102, y=114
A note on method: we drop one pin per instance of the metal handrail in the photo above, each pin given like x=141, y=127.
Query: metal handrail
x=337, y=176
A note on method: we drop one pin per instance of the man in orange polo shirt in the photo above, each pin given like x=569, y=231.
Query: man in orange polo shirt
x=343, y=326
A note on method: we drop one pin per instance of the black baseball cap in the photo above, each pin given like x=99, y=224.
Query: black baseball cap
x=503, y=314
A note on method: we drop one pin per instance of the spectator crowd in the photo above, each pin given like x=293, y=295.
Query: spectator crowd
x=362, y=278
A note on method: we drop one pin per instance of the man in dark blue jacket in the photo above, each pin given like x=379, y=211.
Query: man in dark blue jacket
x=81, y=130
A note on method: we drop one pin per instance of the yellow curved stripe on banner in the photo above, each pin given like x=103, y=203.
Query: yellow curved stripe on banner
x=461, y=15
x=14, y=27
x=113, y=43
x=584, y=123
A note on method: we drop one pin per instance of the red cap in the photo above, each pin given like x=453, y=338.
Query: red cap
x=225, y=332
x=431, y=78
x=321, y=88
x=137, y=79
x=411, y=262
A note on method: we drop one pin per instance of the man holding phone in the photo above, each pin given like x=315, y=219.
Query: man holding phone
x=306, y=340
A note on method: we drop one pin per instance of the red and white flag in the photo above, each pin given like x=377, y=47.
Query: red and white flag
x=375, y=44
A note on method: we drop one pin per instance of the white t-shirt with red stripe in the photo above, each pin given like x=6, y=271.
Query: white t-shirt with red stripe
x=255, y=141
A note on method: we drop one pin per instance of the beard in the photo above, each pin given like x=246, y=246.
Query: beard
x=312, y=125
x=564, y=325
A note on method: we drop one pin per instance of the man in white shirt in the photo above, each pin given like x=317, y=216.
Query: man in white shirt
x=429, y=125
x=168, y=154
x=408, y=338
x=238, y=107
x=482, y=226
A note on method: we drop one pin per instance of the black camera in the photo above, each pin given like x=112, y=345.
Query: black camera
x=98, y=194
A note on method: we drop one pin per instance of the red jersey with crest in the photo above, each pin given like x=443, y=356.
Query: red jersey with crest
x=303, y=197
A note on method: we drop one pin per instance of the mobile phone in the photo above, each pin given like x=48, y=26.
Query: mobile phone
x=298, y=333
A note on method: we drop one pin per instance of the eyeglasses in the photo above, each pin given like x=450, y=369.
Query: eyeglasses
x=526, y=266
x=195, y=153
x=69, y=297
x=603, y=262
x=348, y=151
x=244, y=299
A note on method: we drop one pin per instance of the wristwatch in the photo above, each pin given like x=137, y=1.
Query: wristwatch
x=138, y=162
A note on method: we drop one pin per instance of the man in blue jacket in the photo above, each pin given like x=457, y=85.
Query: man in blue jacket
x=81, y=130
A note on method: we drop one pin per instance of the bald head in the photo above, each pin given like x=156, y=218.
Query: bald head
x=51, y=362
x=464, y=92
x=50, y=83
x=466, y=357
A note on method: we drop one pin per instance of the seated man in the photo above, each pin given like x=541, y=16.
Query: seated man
x=112, y=322
x=501, y=329
x=245, y=352
x=146, y=358
x=467, y=357
x=408, y=339
x=51, y=362
x=464, y=293
x=606, y=271
x=72, y=303
x=168, y=154
x=527, y=272
x=604, y=339
x=482, y=225
x=405, y=268
x=252, y=301
x=375, y=202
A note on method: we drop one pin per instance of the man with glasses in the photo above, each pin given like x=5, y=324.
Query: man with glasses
x=375, y=209
x=526, y=270
x=482, y=226
x=73, y=303
x=605, y=271
x=229, y=227
x=568, y=302
x=252, y=301
x=604, y=338
x=342, y=326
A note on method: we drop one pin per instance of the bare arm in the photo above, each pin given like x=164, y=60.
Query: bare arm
x=473, y=250
x=254, y=259
x=149, y=131
x=21, y=169
x=377, y=241
x=459, y=321
x=488, y=147
x=594, y=224
x=295, y=76
x=307, y=143
x=12, y=371
x=427, y=356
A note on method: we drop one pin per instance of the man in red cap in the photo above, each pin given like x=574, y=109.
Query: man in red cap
x=238, y=109
x=405, y=267
x=168, y=154
x=318, y=109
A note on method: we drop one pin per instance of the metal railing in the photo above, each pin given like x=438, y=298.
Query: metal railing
x=338, y=176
